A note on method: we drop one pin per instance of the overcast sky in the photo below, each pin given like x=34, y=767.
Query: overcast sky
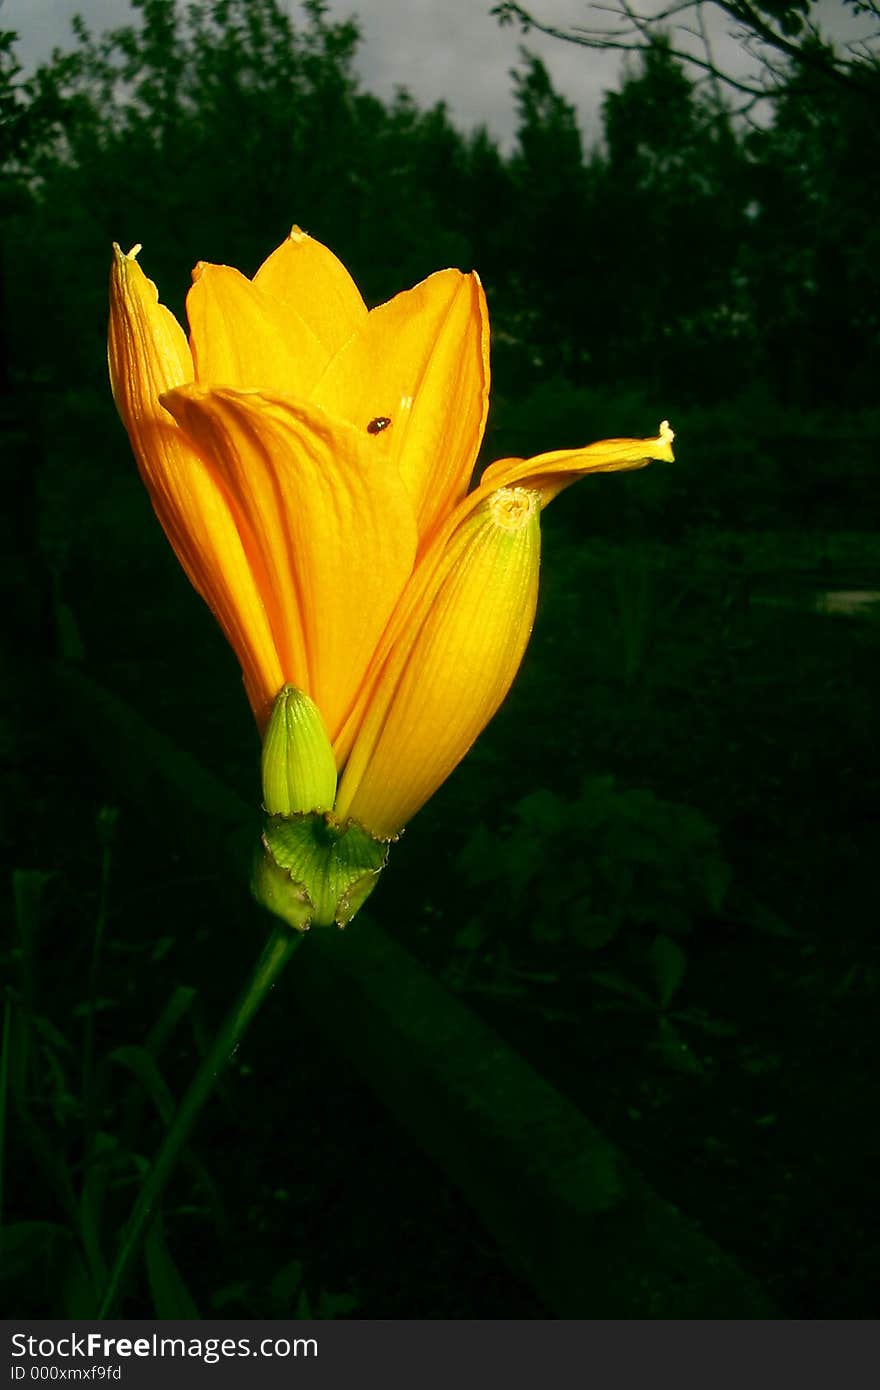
x=441, y=49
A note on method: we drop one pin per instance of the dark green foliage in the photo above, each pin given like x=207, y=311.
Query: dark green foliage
x=630, y=860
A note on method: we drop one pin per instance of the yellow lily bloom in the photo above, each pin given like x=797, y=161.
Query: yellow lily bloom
x=309, y=461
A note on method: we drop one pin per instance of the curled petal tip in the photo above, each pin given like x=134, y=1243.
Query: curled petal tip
x=666, y=432
x=297, y=234
x=124, y=258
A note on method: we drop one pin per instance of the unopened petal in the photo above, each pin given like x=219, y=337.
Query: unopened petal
x=242, y=336
x=331, y=535
x=148, y=355
x=451, y=668
x=308, y=277
x=419, y=365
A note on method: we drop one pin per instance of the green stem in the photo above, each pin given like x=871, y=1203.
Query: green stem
x=276, y=953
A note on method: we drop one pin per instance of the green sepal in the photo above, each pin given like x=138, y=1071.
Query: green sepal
x=314, y=871
x=275, y=890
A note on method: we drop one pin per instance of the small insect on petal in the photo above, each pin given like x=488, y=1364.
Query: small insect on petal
x=377, y=425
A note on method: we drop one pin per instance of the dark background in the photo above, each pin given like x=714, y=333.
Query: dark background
x=656, y=872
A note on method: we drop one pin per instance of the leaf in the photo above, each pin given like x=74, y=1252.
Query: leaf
x=619, y=984
x=169, y=1018
x=157, y=1039
x=592, y=931
x=757, y=915
x=706, y=1023
x=28, y=887
x=53, y=1037
x=48, y=1159
x=675, y=1051
x=92, y=1006
x=143, y=1066
x=104, y=1151
x=334, y=1305
x=139, y=1062
x=471, y=937
x=77, y=1289
x=70, y=643
x=668, y=962
x=476, y=859
x=542, y=812
x=287, y=1282
x=170, y=1295
x=229, y=1296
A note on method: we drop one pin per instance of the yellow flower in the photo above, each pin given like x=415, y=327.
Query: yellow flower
x=310, y=463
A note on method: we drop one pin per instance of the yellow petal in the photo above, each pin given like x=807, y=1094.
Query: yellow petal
x=330, y=536
x=242, y=336
x=548, y=474
x=148, y=355
x=307, y=276
x=451, y=667
x=421, y=363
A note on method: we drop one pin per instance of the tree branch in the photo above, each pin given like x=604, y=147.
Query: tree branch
x=627, y=30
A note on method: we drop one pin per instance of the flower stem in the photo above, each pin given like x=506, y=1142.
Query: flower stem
x=276, y=953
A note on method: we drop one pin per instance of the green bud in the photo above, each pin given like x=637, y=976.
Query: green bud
x=310, y=868
x=313, y=871
x=299, y=770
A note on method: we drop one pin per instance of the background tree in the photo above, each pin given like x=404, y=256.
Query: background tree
x=777, y=35
x=813, y=254
x=549, y=271
x=668, y=225
x=687, y=252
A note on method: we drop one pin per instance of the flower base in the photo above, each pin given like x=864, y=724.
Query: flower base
x=313, y=871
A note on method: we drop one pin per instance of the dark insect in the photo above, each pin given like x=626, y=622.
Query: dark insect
x=380, y=423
